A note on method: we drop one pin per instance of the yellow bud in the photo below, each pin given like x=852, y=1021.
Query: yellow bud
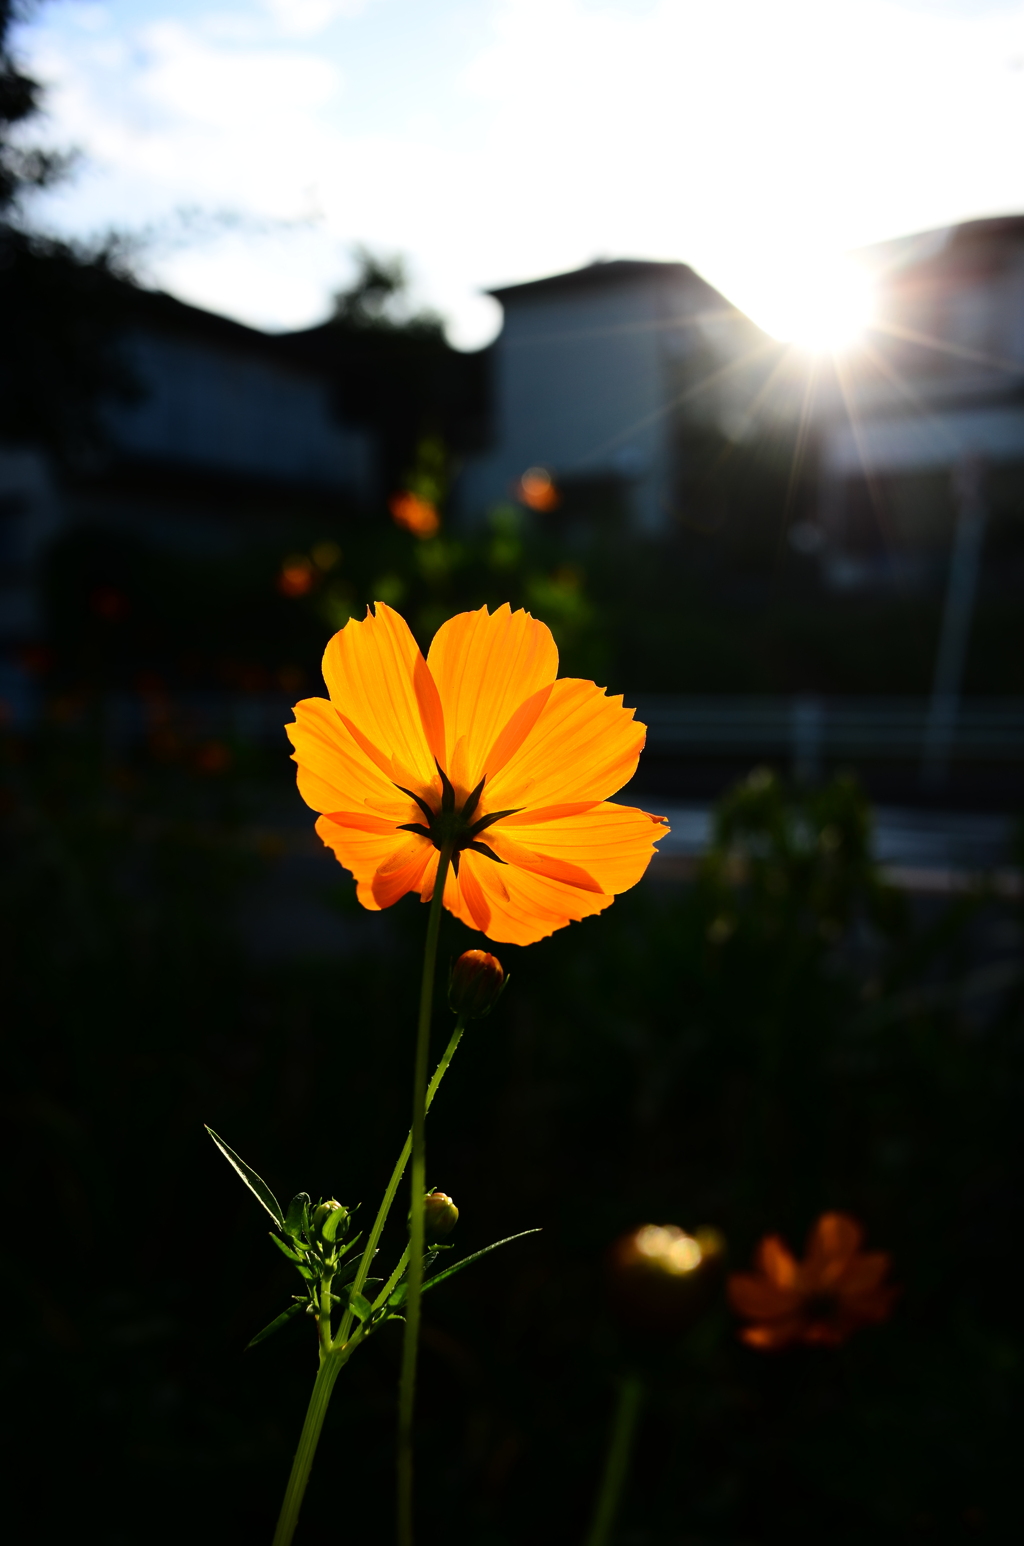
x=440, y=1216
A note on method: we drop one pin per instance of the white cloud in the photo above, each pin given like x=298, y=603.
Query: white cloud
x=509, y=139
x=305, y=18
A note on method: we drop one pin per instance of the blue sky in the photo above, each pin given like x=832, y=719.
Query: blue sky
x=255, y=141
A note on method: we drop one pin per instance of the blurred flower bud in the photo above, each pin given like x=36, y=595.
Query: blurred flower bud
x=476, y=984
x=440, y=1216
x=330, y=1219
x=660, y=1279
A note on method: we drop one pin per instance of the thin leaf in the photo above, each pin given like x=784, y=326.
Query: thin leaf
x=359, y=1306
x=259, y=1189
x=343, y=1250
x=342, y=1299
x=468, y=1260
x=275, y=1325
x=350, y=1268
x=286, y=1250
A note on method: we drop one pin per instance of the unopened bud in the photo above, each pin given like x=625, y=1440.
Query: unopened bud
x=329, y=1219
x=660, y=1278
x=440, y=1216
x=476, y=984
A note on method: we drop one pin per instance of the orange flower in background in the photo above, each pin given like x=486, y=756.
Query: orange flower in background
x=415, y=514
x=536, y=488
x=478, y=747
x=823, y=1299
x=296, y=577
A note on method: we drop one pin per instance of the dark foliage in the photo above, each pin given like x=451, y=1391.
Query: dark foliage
x=781, y=1036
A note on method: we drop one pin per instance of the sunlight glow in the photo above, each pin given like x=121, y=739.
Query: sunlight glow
x=823, y=308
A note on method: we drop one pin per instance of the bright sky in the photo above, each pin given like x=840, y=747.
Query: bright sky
x=498, y=140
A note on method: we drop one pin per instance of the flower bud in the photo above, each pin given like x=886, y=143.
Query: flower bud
x=476, y=984
x=440, y=1216
x=330, y=1219
x=660, y=1279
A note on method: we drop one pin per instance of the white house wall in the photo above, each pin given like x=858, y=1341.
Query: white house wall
x=581, y=390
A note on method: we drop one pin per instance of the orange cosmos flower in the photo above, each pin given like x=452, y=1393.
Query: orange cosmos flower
x=823, y=1299
x=536, y=488
x=415, y=514
x=479, y=747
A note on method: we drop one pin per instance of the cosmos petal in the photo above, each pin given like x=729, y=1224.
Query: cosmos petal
x=831, y=1246
x=777, y=1334
x=526, y=907
x=378, y=680
x=756, y=1296
x=401, y=871
x=864, y=1273
x=583, y=746
x=486, y=666
x=777, y=1262
x=334, y=771
x=609, y=845
x=473, y=895
x=523, y=858
x=363, y=852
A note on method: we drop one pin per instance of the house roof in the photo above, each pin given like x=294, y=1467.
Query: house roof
x=610, y=271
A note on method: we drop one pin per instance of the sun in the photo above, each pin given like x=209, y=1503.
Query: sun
x=824, y=307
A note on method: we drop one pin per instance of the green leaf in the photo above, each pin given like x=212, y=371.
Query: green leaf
x=348, y=1270
x=342, y=1298
x=359, y=1306
x=297, y=1217
x=285, y=1250
x=275, y=1325
x=259, y=1189
x=468, y=1260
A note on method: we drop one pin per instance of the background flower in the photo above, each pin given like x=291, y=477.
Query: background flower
x=823, y=1299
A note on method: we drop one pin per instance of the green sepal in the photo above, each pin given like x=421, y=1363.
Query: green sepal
x=277, y=1323
x=285, y=1250
x=333, y=1222
x=468, y=1260
x=260, y=1190
x=343, y=1250
x=297, y=1217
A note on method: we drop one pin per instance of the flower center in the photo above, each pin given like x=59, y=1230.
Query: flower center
x=453, y=827
x=821, y=1306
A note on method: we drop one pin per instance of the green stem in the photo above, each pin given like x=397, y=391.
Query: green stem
x=370, y=1248
x=308, y=1439
x=407, y=1386
x=616, y=1466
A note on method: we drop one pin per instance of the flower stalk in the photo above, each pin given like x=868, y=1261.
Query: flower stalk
x=336, y=1351
x=616, y=1466
x=330, y=1367
x=418, y=1186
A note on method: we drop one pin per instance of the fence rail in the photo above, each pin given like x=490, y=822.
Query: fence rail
x=810, y=731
